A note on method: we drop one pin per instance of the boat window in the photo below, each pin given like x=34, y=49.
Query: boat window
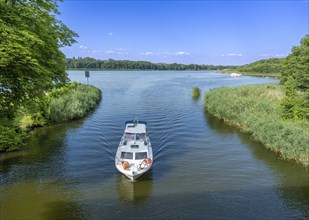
x=129, y=136
x=127, y=155
x=140, y=137
x=140, y=155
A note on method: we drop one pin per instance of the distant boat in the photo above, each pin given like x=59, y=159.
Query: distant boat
x=235, y=74
x=134, y=154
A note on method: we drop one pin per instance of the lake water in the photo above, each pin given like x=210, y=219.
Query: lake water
x=203, y=169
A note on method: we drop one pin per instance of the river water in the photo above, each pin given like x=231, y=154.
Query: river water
x=203, y=169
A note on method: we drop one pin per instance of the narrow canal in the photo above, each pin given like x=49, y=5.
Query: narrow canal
x=203, y=169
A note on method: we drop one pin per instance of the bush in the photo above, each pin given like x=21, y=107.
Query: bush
x=11, y=136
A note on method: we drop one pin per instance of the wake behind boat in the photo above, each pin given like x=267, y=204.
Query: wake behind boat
x=134, y=154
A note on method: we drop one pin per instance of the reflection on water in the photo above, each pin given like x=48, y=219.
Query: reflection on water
x=134, y=192
x=8, y=159
x=291, y=180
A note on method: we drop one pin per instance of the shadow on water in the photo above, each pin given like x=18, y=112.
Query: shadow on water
x=43, y=145
x=291, y=179
x=218, y=124
x=134, y=192
x=35, y=190
x=292, y=182
x=10, y=158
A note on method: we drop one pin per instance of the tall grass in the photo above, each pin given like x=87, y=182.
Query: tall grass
x=61, y=104
x=196, y=93
x=74, y=103
x=256, y=110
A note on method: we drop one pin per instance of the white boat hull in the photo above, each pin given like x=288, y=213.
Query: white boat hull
x=134, y=155
x=132, y=174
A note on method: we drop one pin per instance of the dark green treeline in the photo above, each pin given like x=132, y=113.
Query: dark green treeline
x=110, y=64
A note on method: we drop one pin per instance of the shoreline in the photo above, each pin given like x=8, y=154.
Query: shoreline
x=258, y=114
x=68, y=103
x=256, y=74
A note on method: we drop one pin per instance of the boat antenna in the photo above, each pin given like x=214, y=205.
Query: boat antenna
x=135, y=121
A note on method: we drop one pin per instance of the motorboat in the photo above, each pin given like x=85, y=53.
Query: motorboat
x=235, y=75
x=134, y=155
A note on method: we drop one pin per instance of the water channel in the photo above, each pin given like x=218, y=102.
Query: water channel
x=203, y=169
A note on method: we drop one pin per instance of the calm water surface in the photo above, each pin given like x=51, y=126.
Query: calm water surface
x=202, y=169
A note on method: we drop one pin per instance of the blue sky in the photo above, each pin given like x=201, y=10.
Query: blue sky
x=201, y=32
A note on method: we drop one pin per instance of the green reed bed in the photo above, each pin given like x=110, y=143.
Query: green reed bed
x=74, y=103
x=196, y=93
x=59, y=105
x=256, y=110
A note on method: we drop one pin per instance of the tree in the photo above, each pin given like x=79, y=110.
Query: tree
x=30, y=59
x=295, y=79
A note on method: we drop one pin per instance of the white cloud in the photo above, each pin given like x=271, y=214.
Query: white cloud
x=119, y=51
x=96, y=51
x=235, y=54
x=109, y=51
x=272, y=55
x=280, y=55
x=110, y=34
x=182, y=53
x=83, y=47
x=147, y=53
x=179, y=53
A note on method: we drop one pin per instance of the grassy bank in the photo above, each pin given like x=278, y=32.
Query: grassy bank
x=74, y=103
x=256, y=110
x=59, y=105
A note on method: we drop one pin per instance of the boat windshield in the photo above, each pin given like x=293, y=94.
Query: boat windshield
x=140, y=155
x=133, y=137
x=127, y=155
x=129, y=136
x=140, y=136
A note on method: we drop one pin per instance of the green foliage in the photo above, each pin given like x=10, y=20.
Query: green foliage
x=295, y=79
x=91, y=63
x=60, y=105
x=73, y=102
x=26, y=122
x=266, y=66
x=196, y=93
x=30, y=59
x=11, y=136
x=256, y=110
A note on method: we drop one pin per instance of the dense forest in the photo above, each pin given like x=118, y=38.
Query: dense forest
x=110, y=64
x=272, y=65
